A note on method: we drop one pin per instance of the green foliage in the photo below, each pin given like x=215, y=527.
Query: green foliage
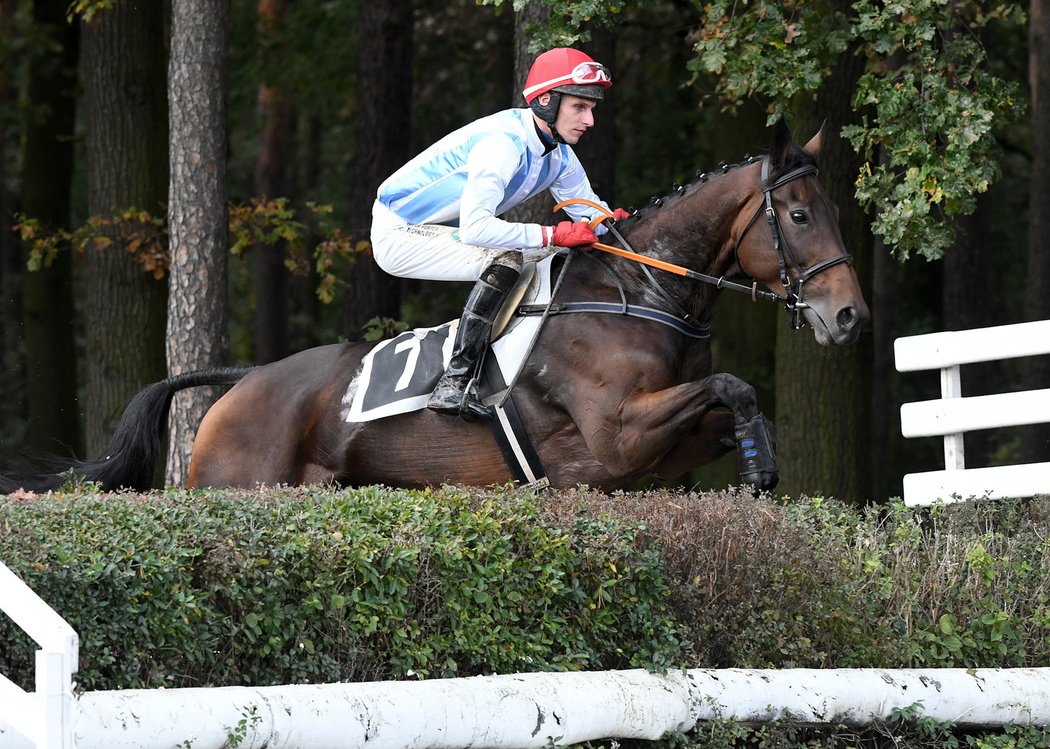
x=139, y=233
x=262, y=225
x=816, y=583
x=266, y=224
x=971, y=598
x=928, y=101
x=379, y=328
x=188, y=588
x=191, y=588
x=908, y=727
x=87, y=9
x=569, y=19
x=775, y=50
x=930, y=104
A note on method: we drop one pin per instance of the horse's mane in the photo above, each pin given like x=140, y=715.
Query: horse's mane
x=632, y=278
x=797, y=157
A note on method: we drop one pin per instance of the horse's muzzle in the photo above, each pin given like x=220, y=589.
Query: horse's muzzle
x=836, y=327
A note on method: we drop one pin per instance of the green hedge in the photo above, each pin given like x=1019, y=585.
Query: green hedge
x=188, y=588
x=291, y=586
x=765, y=583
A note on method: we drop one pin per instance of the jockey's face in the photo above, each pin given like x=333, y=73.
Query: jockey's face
x=575, y=116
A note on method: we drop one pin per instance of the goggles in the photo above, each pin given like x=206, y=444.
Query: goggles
x=590, y=72
x=583, y=74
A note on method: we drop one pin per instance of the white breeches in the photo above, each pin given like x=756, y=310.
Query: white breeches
x=429, y=252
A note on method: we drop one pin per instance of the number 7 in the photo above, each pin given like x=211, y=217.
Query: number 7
x=412, y=344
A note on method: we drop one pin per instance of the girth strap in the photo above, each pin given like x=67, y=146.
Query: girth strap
x=685, y=327
x=509, y=432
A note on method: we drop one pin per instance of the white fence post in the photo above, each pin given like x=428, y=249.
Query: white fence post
x=46, y=716
x=954, y=450
x=954, y=415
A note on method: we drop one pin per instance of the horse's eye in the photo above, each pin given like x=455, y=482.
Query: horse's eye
x=799, y=217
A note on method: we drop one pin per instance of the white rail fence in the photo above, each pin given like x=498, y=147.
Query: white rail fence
x=543, y=709
x=953, y=414
x=46, y=715
x=520, y=710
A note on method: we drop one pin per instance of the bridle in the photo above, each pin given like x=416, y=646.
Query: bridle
x=792, y=298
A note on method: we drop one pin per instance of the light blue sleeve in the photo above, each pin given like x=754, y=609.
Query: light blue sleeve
x=491, y=167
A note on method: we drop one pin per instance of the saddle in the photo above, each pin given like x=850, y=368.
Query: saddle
x=398, y=374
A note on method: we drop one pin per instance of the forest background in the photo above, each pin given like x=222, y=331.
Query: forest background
x=190, y=182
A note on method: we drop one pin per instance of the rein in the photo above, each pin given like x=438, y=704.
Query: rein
x=629, y=252
x=792, y=297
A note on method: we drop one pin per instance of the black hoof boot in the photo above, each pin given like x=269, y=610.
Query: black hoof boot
x=756, y=452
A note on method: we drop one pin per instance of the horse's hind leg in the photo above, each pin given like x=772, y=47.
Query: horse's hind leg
x=238, y=444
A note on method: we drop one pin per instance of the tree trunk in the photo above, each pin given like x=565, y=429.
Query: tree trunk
x=126, y=140
x=47, y=295
x=538, y=210
x=384, y=70
x=12, y=412
x=1036, y=439
x=197, y=211
x=269, y=276
x=535, y=13
x=962, y=285
x=823, y=393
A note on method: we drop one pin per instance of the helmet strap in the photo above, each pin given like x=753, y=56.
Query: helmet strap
x=549, y=113
x=547, y=141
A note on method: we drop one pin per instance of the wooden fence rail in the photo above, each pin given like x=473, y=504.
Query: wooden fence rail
x=953, y=414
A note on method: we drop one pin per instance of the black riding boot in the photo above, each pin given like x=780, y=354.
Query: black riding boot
x=451, y=395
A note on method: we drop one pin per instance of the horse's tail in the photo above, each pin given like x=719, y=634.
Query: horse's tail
x=130, y=459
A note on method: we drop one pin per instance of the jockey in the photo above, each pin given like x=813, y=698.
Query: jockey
x=437, y=217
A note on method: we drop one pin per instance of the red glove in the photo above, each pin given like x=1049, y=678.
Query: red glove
x=619, y=214
x=571, y=234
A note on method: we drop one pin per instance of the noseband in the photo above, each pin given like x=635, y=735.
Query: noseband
x=792, y=298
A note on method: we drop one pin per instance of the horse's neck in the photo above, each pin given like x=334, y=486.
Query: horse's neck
x=693, y=227
x=691, y=230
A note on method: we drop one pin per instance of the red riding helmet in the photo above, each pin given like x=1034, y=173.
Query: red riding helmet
x=566, y=71
x=563, y=71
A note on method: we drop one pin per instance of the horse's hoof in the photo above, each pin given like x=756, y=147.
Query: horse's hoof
x=765, y=481
x=756, y=448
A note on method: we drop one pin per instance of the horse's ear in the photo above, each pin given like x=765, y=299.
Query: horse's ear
x=813, y=147
x=781, y=146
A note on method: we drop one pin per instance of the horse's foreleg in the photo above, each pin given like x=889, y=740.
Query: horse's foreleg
x=675, y=429
x=756, y=452
x=712, y=436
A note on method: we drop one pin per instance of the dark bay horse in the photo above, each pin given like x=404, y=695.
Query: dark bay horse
x=605, y=398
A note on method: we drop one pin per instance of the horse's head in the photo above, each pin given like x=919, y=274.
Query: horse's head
x=800, y=252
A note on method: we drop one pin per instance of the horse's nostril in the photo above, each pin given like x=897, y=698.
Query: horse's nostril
x=846, y=318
